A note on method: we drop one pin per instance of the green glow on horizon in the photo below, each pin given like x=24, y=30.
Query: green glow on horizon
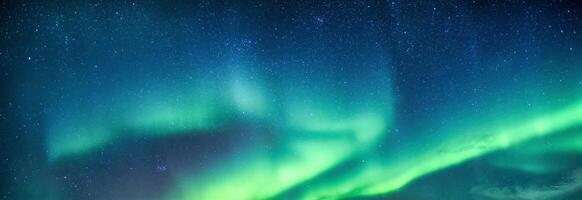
x=392, y=176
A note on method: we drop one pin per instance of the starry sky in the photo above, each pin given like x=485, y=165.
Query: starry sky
x=195, y=100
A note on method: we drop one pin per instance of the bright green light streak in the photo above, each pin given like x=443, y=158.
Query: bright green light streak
x=397, y=174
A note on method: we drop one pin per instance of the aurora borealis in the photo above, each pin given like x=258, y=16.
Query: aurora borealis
x=305, y=100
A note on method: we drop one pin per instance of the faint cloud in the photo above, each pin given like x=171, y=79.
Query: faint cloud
x=569, y=186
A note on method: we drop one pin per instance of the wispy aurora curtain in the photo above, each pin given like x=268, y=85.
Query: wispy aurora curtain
x=291, y=100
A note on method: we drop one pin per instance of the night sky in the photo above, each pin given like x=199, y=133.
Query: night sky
x=406, y=100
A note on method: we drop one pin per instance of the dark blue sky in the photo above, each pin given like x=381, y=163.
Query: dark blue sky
x=290, y=99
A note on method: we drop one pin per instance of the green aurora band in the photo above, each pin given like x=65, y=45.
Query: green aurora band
x=385, y=177
x=318, y=134
x=304, y=125
x=306, y=100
